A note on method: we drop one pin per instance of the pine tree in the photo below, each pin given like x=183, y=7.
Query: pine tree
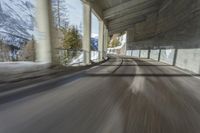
x=72, y=39
x=115, y=42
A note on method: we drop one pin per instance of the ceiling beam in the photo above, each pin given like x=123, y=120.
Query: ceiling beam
x=128, y=7
x=120, y=30
x=125, y=23
x=132, y=16
x=125, y=27
x=95, y=8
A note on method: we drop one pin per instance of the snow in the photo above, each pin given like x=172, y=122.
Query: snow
x=20, y=67
x=17, y=18
x=94, y=35
x=79, y=60
x=94, y=56
x=122, y=40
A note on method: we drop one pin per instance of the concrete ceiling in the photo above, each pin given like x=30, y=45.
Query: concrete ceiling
x=119, y=15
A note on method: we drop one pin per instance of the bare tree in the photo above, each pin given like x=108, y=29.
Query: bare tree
x=27, y=51
x=61, y=13
x=4, y=51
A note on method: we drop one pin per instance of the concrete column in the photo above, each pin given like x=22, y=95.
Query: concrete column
x=131, y=52
x=105, y=41
x=149, y=53
x=139, y=53
x=199, y=69
x=43, y=39
x=101, y=40
x=175, y=57
x=159, y=54
x=86, y=32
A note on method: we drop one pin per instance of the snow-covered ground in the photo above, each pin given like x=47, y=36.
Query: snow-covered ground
x=77, y=61
x=80, y=59
x=95, y=56
x=21, y=67
x=122, y=40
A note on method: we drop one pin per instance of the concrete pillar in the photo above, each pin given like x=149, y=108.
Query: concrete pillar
x=86, y=33
x=159, y=54
x=105, y=41
x=199, y=69
x=149, y=53
x=43, y=37
x=101, y=40
x=139, y=53
x=175, y=57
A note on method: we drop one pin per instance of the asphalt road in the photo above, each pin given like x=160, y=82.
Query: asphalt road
x=123, y=95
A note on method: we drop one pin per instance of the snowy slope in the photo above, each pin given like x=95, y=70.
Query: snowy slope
x=16, y=18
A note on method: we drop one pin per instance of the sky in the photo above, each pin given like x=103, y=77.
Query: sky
x=95, y=25
x=75, y=11
x=76, y=15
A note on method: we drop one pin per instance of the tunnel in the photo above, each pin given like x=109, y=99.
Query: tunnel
x=147, y=84
x=166, y=28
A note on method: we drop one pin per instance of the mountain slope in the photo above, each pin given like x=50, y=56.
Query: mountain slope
x=16, y=18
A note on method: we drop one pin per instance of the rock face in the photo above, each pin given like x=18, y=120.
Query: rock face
x=16, y=19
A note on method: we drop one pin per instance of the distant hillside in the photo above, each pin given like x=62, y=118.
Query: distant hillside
x=94, y=41
x=16, y=20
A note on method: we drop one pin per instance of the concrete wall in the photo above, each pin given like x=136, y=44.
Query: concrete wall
x=184, y=36
x=176, y=21
x=129, y=53
x=144, y=54
x=167, y=56
x=154, y=54
x=135, y=53
x=176, y=25
x=189, y=59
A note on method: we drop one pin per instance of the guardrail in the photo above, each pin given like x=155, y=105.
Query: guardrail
x=75, y=57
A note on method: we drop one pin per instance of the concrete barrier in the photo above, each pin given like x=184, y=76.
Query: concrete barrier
x=144, y=54
x=129, y=52
x=135, y=53
x=167, y=56
x=154, y=54
x=189, y=59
